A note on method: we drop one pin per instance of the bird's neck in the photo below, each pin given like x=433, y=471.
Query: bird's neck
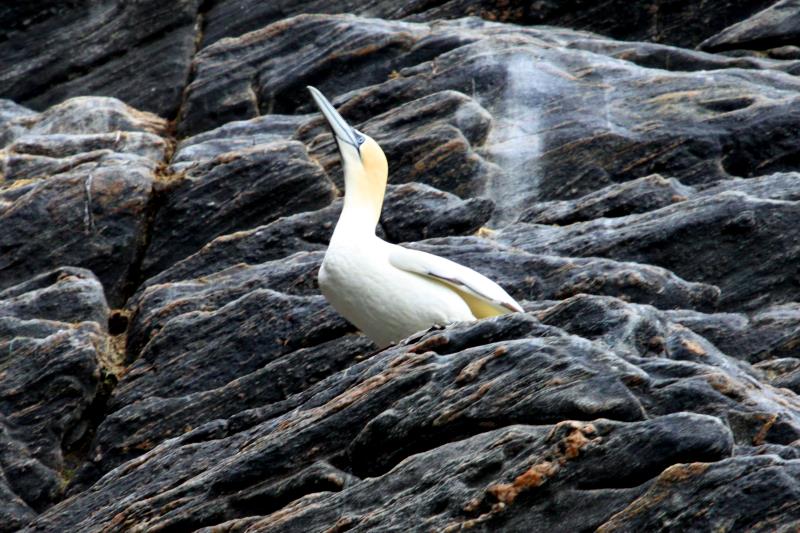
x=363, y=200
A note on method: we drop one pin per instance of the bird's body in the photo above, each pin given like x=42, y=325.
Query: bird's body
x=383, y=301
x=388, y=291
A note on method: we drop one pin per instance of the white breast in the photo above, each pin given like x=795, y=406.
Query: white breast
x=386, y=303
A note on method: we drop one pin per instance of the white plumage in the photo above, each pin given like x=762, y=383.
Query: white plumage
x=388, y=291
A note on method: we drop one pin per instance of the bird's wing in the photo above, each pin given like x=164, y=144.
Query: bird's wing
x=483, y=296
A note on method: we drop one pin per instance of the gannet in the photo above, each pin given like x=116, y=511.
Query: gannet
x=387, y=291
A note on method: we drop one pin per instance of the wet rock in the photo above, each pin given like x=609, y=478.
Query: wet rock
x=636, y=196
x=90, y=216
x=784, y=372
x=269, y=81
x=740, y=243
x=770, y=333
x=82, y=115
x=574, y=123
x=778, y=186
x=137, y=427
x=10, y=110
x=66, y=294
x=683, y=60
x=645, y=203
x=251, y=330
x=713, y=496
x=687, y=373
x=233, y=136
x=36, y=157
x=295, y=275
x=515, y=479
x=303, y=232
x=653, y=192
x=452, y=384
x=95, y=215
x=775, y=26
x=234, y=191
x=52, y=341
x=118, y=43
x=76, y=188
x=414, y=212
x=13, y=511
x=682, y=23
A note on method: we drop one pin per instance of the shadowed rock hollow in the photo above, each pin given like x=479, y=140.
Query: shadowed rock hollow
x=167, y=192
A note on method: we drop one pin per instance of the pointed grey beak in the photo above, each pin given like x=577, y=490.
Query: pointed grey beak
x=341, y=129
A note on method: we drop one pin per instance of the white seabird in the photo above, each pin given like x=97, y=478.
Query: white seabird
x=387, y=291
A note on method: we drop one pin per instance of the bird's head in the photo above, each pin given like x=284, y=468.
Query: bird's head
x=365, y=166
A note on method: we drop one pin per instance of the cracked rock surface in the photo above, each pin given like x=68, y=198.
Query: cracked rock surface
x=168, y=190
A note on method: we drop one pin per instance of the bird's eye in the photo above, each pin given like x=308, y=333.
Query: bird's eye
x=359, y=139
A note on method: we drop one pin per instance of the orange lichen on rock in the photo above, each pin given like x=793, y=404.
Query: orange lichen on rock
x=683, y=471
x=533, y=477
x=430, y=344
x=471, y=371
x=761, y=437
x=578, y=436
x=658, y=492
x=693, y=347
x=723, y=384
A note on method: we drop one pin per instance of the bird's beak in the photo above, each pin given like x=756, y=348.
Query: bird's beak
x=341, y=129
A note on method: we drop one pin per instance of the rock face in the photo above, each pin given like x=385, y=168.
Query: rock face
x=77, y=186
x=167, y=361
x=53, y=343
x=682, y=23
x=105, y=48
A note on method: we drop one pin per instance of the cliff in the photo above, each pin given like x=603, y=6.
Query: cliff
x=629, y=171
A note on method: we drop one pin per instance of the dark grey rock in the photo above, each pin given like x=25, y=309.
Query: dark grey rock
x=712, y=496
x=636, y=196
x=36, y=157
x=10, y=110
x=520, y=478
x=645, y=204
x=270, y=81
x=138, y=52
x=743, y=244
x=777, y=25
x=52, y=343
x=411, y=212
x=137, y=427
x=234, y=191
x=784, y=372
x=414, y=212
x=233, y=136
x=545, y=277
x=94, y=212
x=76, y=190
x=770, y=333
x=91, y=216
x=64, y=295
x=453, y=384
x=303, y=232
x=574, y=112
x=681, y=23
x=175, y=362
x=159, y=302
